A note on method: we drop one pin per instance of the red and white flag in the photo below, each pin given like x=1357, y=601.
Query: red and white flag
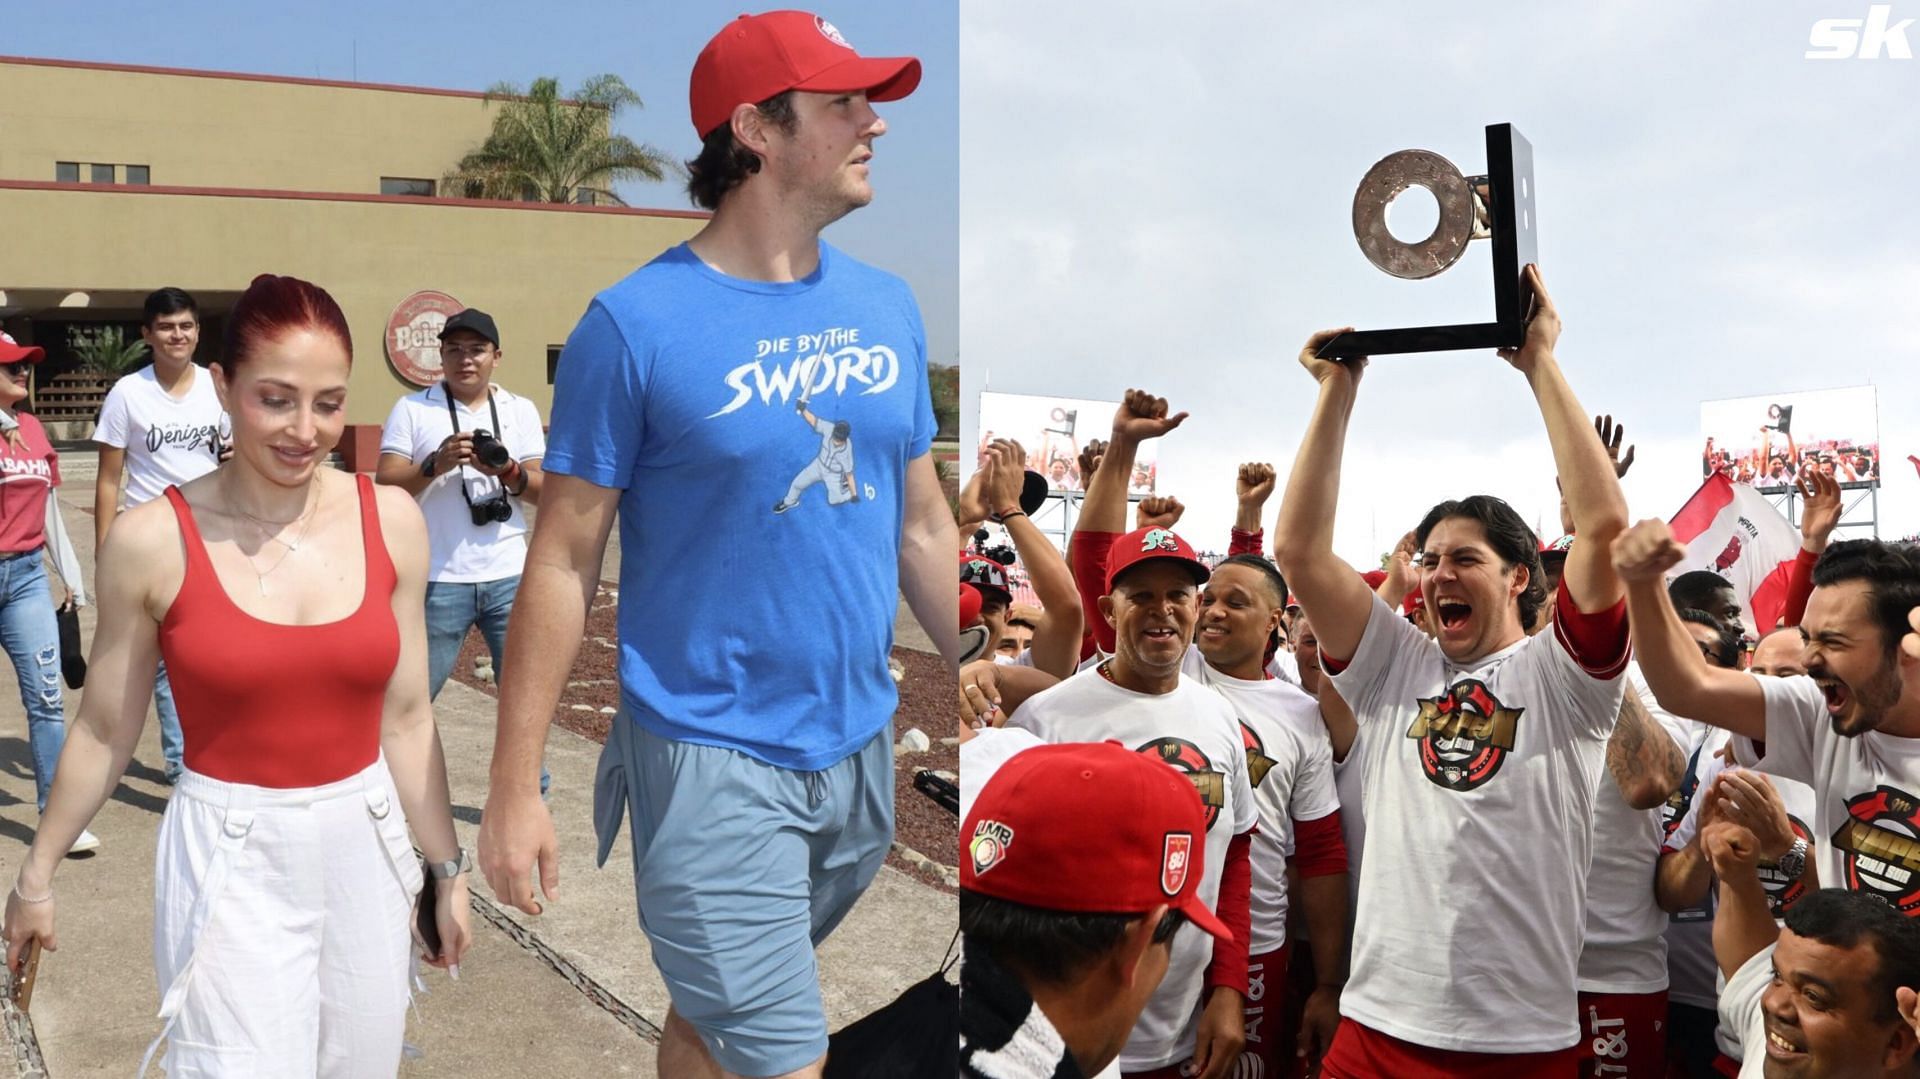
x=1732, y=530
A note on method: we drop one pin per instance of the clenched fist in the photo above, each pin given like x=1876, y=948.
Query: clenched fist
x=1158, y=512
x=1646, y=551
x=1142, y=416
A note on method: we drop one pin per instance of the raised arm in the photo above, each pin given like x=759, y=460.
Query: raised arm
x=1141, y=416
x=1743, y=922
x=1586, y=471
x=1252, y=486
x=1330, y=592
x=1056, y=640
x=1680, y=677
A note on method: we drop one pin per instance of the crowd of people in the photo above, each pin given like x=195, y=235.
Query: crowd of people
x=293, y=622
x=1508, y=805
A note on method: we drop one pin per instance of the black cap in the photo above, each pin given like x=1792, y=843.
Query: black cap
x=475, y=320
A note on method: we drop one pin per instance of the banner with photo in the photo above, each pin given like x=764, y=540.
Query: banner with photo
x=1052, y=430
x=1769, y=441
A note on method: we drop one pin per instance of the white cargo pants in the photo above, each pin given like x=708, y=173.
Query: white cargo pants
x=281, y=929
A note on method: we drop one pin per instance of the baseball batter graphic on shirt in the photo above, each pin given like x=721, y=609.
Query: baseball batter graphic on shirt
x=833, y=466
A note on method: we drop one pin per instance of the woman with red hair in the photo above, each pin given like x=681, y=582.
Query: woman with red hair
x=287, y=600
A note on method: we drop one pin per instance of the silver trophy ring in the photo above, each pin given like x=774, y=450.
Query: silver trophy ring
x=1392, y=175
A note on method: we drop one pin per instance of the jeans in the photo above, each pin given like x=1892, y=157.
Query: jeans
x=32, y=640
x=171, y=744
x=454, y=607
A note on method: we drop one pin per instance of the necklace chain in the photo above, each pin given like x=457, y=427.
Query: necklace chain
x=305, y=520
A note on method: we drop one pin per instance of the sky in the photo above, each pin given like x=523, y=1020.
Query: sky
x=910, y=229
x=1162, y=199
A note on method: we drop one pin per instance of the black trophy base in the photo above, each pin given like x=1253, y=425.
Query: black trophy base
x=1473, y=335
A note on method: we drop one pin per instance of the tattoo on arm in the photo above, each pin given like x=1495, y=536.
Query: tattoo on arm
x=1640, y=751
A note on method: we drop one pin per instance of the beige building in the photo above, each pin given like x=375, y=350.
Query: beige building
x=116, y=180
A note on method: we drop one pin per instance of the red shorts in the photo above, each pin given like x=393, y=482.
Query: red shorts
x=1623, y=1035
x=1268, y=1036
x=1363, y=1053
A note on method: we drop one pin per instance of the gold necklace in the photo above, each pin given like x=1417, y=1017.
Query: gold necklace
x=306, y=519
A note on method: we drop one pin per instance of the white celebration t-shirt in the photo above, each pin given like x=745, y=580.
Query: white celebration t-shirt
x=1479, y=792
x=1194, y=730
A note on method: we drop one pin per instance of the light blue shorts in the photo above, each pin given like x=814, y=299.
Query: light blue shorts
x=740, y=869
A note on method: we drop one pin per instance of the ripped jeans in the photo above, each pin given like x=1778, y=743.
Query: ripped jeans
x=32, y=639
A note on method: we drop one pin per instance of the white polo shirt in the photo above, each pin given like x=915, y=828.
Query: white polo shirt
x=459, y=551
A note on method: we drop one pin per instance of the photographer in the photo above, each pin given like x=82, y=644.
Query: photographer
x=470, y=452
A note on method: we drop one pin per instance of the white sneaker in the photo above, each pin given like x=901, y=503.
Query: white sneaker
x=86, y=843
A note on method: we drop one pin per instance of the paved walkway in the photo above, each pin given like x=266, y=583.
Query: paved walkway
x=570, y=993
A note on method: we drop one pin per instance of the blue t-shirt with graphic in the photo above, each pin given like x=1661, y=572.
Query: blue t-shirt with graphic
x=759, y=561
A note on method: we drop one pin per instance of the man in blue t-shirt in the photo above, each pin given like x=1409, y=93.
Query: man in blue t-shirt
x=757, y=776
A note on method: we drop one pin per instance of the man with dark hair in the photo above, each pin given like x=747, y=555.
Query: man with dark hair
x=160, y=427
x=757, y=776
x=1139, y=697
x=1482, y=746
x=1082, y=862
x=1705, y=590
x=1820, y=997
x=1849, y=727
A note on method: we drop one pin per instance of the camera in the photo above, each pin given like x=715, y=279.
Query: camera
x=493, y=509
x=489, y=450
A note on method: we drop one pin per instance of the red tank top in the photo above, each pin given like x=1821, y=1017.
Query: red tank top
x=274, y=705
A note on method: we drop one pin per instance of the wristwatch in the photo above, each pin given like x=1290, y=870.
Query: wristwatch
x=451, y=869
x=1794, y=862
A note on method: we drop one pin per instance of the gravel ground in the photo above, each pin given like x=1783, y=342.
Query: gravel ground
x=926, y=702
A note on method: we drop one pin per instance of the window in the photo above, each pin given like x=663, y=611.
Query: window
x=400, y=185
x=100, y=174
x=583, y=196
x=66, y=172
x=137, y=174
x=553, y=361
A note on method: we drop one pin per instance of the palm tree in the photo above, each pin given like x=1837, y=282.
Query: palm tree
x=546, y=148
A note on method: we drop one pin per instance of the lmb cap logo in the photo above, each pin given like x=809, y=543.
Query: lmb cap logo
x=1861, y=39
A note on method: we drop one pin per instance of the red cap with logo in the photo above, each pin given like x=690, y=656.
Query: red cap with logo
x=984, y=573
x=756, y=57
x=1146, y=544
x=12, y=351
x=1089, y=827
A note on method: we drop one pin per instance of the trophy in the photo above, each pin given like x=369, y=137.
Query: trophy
x=1496, y=206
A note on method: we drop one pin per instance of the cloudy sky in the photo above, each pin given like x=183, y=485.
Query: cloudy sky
x=1160, y=198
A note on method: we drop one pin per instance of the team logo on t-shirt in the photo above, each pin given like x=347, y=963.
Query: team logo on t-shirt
x=1188, y=758
x=1879, y=851
x=1258, y=763
x=989, y=846
x=1464, y=735
x=1784, y=891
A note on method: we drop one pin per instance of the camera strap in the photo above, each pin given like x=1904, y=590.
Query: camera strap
x=497, y=433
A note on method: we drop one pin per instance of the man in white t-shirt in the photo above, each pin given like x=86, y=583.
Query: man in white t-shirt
x=1482, y=747
x=160, y=427
x=1290, y=765
x=1849, y=727
x=470, y=452
x=1821, y=996
x=1139, y=698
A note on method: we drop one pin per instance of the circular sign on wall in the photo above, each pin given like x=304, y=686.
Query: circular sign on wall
x=413, y=335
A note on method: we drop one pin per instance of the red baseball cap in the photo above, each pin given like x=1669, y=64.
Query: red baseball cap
x=1413, y=602
x=985, y=574
x=969, y=605
x=1146, y=544
x=755, y=57
x=12, y=351
x=1374, y=577
x=1089, y=827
